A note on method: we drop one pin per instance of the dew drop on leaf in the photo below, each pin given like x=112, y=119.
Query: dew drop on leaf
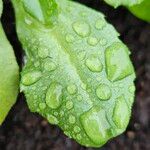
x=96, y=125
x=92, y=41
x=72, y=89
x=28, y=21
x=42, y=106
x=52, y=119
x=49, y=65
x=131, y=89
x=94, y=64
x=118, y=64
x=103, y=42
x=54, y=95
x=81, y=28
x=103, y=92
x=100, y=24
x=69, y=105
x=31, y=77
x=121, y=113
x=72, y=119
x=77, y=129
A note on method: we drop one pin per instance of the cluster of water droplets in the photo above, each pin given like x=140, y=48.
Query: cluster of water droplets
x=94, y=121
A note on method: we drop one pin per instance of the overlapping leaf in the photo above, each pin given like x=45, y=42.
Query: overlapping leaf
x=142, y=10
x=9, y=75
x=128, y=3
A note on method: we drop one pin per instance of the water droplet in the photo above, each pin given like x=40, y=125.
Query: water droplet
x=28, y=21
x=42, y=106
x=103, y=42
x=49, y=65
x=94, y=64
x=69, y=105
x=103, y=92
x=77, y=129
x=92, y=41
x=43, y=52
x=100, y=24
x=81, y=28
x=72, y=119
x=121, y=113
x=70, y=38
x=118, y=64
x=52, y=119
x=96, y=125
x=54, y=95
x=83, y=14
x=31, y=77
x=132, y=89
x=72, y=89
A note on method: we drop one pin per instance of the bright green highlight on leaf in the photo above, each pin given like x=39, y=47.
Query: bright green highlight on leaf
x=78, y=73
x=142, y=10
x=9, y=75
x=116, y=3
x=43, y=10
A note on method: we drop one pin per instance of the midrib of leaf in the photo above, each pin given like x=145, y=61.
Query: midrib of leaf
x=72, y=61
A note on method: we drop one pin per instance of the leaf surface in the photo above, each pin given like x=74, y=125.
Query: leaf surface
x=128, y=3
x=9, y=75
x=78, y=74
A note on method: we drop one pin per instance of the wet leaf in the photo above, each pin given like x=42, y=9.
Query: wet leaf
x=78, y=73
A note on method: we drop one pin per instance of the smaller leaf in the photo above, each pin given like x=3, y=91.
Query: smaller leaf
x=9, y=75
x=142, y=10
x=128, y=3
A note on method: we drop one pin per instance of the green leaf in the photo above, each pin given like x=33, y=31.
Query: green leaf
x=78, y=74
x=142, y=10
x=43, y=10
x=128, y=3
x=9, y=75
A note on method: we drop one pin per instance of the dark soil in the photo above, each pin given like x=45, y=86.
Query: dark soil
x=23, y=130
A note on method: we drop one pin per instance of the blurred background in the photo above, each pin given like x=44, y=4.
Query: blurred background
x=23, y=130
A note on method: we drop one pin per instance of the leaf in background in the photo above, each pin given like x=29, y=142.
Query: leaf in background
x=128, y=3
x=142, y=10
x=9, y=75
x=78, y=73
